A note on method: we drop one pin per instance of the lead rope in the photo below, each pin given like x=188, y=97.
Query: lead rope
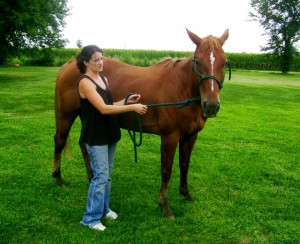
x=132, y=133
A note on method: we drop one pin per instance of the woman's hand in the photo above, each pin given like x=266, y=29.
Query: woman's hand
x=140, y=108
x=134, y=98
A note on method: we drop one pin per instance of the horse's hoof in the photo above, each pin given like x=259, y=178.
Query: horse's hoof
x=167, y=212
x=172, y=218
x=190, y=198
x=61, y=183
x=169, y=216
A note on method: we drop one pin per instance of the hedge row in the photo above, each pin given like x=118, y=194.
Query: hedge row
x=57, y=57
x=260, y=62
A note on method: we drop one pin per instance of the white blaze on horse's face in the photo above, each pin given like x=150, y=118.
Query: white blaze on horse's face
x=212, y=60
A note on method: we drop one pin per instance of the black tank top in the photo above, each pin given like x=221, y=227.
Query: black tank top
x=97, y=128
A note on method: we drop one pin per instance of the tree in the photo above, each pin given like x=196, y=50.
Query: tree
x=79, y=43
x=281, y=22
x=31, y=23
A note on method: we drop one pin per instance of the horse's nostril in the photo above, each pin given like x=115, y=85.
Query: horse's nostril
x=218, y=106
x=211, y=108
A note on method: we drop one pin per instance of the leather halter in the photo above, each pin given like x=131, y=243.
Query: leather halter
x=203, y=77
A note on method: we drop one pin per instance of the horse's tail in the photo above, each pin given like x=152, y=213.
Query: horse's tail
x=67, y=146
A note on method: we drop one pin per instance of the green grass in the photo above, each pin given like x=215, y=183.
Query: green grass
x=244, y=173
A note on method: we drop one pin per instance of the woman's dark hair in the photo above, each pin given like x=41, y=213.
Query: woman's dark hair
x=85, y=55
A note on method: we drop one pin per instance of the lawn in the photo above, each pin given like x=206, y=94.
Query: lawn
x=244, y=173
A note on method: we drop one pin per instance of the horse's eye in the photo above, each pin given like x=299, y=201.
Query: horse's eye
x=198, y=63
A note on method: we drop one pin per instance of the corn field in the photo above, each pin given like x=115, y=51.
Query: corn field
x=57, y=57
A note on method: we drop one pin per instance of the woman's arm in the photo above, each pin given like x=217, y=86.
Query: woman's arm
x=88, y=90
x=133, y=98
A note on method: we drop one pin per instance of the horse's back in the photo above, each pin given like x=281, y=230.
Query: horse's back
x=124, y=78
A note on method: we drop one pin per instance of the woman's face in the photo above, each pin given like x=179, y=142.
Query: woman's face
x=95, y=64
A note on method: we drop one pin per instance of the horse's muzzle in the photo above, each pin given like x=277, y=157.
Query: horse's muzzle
x=210, y=109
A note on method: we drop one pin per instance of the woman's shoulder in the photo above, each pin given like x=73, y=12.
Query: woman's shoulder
x=84, y=80
x=86, y=83
x=103, y=77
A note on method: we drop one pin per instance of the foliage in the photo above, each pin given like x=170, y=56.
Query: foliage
x=264, y=61
x=247, y=61
x=281, y=22
x=79, y=43
x=244, y=173
x=34, y=23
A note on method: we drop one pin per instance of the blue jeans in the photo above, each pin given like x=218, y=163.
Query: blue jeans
x=102, y=159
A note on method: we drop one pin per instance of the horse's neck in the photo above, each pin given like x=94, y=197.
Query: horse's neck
x=191, y=78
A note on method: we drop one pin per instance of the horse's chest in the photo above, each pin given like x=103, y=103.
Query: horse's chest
x=192, y=124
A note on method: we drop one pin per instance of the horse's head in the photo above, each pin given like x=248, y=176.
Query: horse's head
x=209, y=65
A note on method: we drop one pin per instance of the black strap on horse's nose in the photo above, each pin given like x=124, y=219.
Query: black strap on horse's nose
x=205, y=77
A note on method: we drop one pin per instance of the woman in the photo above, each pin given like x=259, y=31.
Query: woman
x=100, y=132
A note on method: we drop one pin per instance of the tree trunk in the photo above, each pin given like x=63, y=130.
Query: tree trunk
x=3, y=54
x=286, y=57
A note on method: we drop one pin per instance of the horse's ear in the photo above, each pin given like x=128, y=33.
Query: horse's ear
x=224, y=37
x=196, y=39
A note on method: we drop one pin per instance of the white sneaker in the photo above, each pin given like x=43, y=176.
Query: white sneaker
x=111, y=215
x=98, y=226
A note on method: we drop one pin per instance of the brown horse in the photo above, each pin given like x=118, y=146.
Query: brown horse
x=200, y=75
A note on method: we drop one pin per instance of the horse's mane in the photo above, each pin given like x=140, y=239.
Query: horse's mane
x=208, y=43
x=170, y=62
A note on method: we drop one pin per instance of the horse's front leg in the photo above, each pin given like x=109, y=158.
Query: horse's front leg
x=186, y=146
x=168, y=148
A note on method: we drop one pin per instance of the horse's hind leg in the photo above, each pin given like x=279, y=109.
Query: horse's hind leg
x=86, y=158
x=62, y=132
x=186, y=146
x=168, y=148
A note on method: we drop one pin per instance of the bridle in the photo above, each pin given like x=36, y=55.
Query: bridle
x=203, y=77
